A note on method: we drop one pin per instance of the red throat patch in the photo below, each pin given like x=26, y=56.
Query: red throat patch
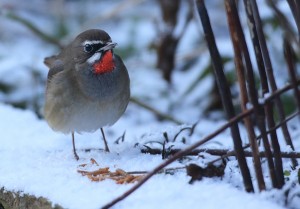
x=105, y=64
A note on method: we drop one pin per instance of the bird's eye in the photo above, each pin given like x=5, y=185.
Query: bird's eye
x=88, y=48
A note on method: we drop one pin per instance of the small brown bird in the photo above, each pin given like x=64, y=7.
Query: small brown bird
x=87, y=86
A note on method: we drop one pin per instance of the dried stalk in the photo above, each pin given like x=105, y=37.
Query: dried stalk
x=244, y=98
x=265, y=89
x=284, y=22
x=270, y=74
x=258, y=110
x=295, y=8
x=289, y=57
x=224, y=92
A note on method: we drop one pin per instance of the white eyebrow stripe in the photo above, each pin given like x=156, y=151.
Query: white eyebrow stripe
x=92, y=42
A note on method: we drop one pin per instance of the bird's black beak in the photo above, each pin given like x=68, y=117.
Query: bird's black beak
x=108, y=46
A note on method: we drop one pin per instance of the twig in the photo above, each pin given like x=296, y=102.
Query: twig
x=156, y=112
x=228, y=152
x=166, y=170
x=282, y=90
x=220, y=152
x=120, y=138
x=181, y=130
x=258, y=137
x=176, y=156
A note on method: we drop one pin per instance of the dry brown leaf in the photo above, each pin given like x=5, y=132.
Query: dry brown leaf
x=119, y=176
x=96, y=172
x=96, y=178
x=100, y=171
x=137, y=178
x=120, y=172
x=126, y=179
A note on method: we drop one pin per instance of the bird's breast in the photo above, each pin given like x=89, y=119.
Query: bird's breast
x=105, y=64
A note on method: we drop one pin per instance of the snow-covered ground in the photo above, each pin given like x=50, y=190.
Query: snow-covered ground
x=35, y=160
x=38, y=161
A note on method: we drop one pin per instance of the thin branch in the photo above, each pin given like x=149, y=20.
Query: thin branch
x=258, y=137
x=228, y=153
x=181, y=130
x=220, y=152
x=166, y=170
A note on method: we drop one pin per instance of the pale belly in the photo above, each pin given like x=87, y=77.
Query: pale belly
x=67, y=111
x=83, y=116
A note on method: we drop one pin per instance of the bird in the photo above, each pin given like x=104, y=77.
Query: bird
x=88, y=86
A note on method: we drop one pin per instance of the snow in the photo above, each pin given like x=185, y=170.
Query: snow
x=37, y=161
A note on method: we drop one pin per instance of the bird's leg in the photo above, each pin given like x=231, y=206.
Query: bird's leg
x=104, y=140
x=74, y=149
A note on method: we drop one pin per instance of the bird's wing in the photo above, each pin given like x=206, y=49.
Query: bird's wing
x=54, y=64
